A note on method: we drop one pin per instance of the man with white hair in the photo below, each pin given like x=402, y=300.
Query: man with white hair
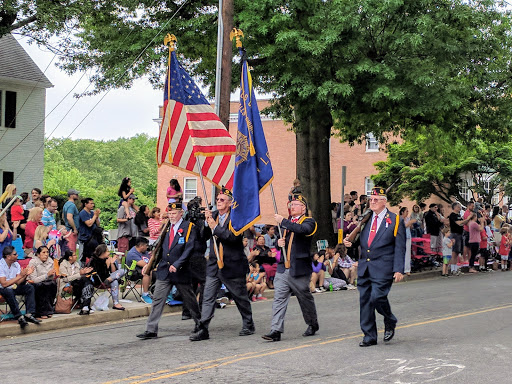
x=382, y=260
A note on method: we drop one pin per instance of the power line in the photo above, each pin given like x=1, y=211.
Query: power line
x=118, y=78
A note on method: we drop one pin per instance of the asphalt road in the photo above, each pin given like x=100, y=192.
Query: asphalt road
x=454, y=330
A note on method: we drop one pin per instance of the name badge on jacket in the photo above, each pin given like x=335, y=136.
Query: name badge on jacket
x=181, y=240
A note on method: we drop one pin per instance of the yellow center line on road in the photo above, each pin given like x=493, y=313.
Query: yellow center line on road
x=228, y=360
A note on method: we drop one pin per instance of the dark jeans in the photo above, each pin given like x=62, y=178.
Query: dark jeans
x=474, y=247
x=45, y=294
x=26, y=290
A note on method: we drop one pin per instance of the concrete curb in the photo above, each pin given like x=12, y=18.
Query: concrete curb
x=133, y=310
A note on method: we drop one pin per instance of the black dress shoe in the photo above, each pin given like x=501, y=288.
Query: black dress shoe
x=272, y=336
x=388, y=334
x=247, y=332
x=22, y=322
x=32, y=319
x=202, y=334
x=147, y=335
x=311, y=330
x=367, y=343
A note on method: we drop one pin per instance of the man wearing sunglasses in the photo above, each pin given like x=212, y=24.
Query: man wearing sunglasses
x=382, y=260
x=228, y=265
x=294, y=274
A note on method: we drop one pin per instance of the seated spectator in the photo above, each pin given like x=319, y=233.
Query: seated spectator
x=107, y=272
x=13, y=283
x=141, y=221
x=33, y=221
x=139, y=254
x=62, y=239
x=330, y=264
x=349, y=223
x=264, y=256
x=48, y=218
x=41, y=238
x=6, y=234
x=318, y=273
x=347, y=265
x=24, y=201
x=256, y=282
x=271, y=237
x=155, y=225
x=72, y=275
x=43, y=278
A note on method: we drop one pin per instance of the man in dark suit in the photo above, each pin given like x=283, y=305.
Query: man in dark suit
x=171, y=259
x=294, y=274
x=228, y=265
x=382, y=260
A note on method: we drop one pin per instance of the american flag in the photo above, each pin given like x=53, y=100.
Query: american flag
x=190, y=128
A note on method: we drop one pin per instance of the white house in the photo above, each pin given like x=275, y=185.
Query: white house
x=22, y=117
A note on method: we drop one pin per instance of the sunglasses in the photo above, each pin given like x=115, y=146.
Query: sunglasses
x=221, y=200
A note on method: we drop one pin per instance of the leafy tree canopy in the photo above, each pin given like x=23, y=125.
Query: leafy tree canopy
x=96, y=169
x=432, y=162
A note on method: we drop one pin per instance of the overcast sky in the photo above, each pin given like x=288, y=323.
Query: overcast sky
x=122, y=113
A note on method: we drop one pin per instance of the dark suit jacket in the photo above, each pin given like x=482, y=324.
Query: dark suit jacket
x=235, y=261
x=386, y=254
x=300, y=254
x=178, y=254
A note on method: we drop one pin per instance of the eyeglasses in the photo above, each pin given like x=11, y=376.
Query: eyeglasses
x=221, y=200
x=295, y=204
x=375, y=199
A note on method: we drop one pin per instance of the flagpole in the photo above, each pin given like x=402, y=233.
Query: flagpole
x=220, y=262
x=283, y=251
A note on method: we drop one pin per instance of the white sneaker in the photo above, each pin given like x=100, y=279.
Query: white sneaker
x=317, y=290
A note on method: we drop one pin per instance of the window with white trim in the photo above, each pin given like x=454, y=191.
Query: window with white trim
x=7, y=109
x=368, y=185
x=372, y=144
x=189, y=188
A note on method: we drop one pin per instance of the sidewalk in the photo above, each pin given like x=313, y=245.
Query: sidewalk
x=134, y=309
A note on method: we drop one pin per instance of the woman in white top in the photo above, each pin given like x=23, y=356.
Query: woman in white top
x=43, y=279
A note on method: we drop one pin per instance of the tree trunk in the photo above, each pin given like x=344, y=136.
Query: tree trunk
x=313, y=131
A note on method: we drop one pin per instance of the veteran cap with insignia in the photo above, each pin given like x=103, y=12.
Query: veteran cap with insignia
x=226, y=192
x=301, y=199
x=378, y=191
x=175, y=206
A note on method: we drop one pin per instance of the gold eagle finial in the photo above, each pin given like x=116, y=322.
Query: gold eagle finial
x=238, y=34
x=170, y=40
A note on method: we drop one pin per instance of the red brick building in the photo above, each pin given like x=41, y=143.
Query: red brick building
x=359, y=160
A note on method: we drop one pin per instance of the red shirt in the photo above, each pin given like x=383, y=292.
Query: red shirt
x=30, y=230
x=483, y=242
x=17, y=213
x=466, y=215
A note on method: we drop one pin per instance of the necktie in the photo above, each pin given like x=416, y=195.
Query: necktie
x=171, y=234
x=373, y=231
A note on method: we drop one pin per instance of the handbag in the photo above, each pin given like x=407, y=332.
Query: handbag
x=63, y=305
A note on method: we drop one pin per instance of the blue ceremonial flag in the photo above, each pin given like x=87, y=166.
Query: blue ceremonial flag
x=253, y=170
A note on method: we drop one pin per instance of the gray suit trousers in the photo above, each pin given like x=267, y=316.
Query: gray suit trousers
x=162, y=289
x=238, y=290
x=284, y=285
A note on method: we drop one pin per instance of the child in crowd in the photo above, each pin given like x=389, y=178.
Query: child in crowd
x=447, y=250
x=331, y=263
x=125, y=190
x=62, y=241
x=17, y=209
x=505, y=246
x=318, y=273
x=256, y=282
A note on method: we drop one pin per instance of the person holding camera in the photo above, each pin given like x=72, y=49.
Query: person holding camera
x=226, y=265
x=195, y=214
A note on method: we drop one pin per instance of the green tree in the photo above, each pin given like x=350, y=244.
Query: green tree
x=96, y=169
x=432, y=162
x=367, y=66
